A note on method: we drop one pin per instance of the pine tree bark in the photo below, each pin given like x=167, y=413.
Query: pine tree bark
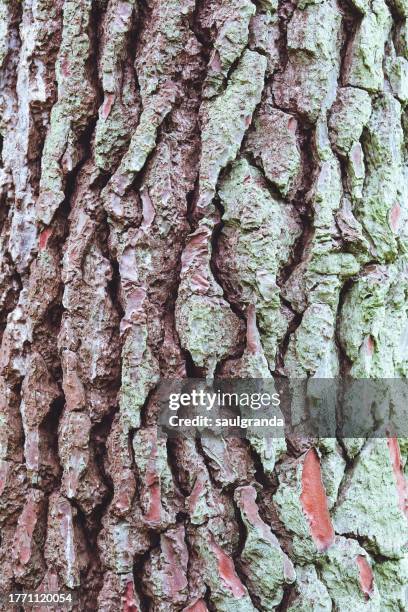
x=199, y=189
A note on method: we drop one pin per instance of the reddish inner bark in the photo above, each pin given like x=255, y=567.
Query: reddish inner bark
x=28, y=521
x=175, y=577
x=107, y=105
x=395, y=217
x=227, y=571
x=365, y=575
x=153, y=484
x=314, y=502
x=197, y=606
x=42, y=243
x=129, y=604
x=402, y=486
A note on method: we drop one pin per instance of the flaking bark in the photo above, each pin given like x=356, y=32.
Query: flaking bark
x=204, y=189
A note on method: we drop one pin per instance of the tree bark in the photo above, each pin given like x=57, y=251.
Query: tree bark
x=191, y=190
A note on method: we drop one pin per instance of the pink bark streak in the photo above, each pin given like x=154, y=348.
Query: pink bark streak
x=32, y=452
x=129, y=603
x=25, y=531
x=402, y=486
x=107, y=106
x=153, y=484
x=175, y=576
x=314, y=502
x=215, y=62
x=365, y=575
x=248, y=504
x=148, y=209
x=253, y=343
x=292, y=125
x=370, y=346
x=395, y=217
x=65, y=68
x=196, y=254
x=196, y=249
x=197, y=606
x=227, y=571
x=76, y=463
x=4, y=468
x=196, y=493
x=43, y=239
x=126, y=492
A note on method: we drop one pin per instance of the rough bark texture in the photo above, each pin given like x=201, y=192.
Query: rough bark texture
x=216, y=188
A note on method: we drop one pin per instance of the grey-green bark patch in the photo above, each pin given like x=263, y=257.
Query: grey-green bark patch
x=381, y=210
x=311, y=593
x=70, y=115
x=368, y=504
x=232, y=19
x=365, y=55
x=228, y=118
x=374, y=323
x=341, y=574
x=266, y=566
x=259, y=231
x=274, y=145
x=348, y=116
x=308, y=83
x=391, y=578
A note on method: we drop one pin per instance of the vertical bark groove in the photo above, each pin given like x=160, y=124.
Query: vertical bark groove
x=197, y=189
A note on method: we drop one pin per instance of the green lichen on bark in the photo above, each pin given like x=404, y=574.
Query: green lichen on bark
x=265, y=565
x=360, y=510
x=71, y=114
x=227, y=119
x=259, y=230
x=310, y=592
x=198, y=189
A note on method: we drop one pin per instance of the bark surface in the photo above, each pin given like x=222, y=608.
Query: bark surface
x=199, y=189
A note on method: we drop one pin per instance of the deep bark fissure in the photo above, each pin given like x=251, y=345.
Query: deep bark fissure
x=103, y=510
